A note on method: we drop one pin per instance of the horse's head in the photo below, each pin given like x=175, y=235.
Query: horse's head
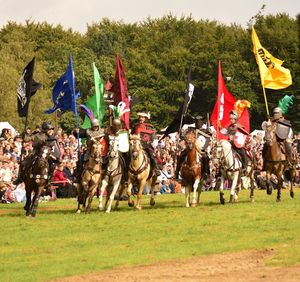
x=135, y=146
x=96, y=149
x=190, y=140
x=113, y=147
x=269, y=129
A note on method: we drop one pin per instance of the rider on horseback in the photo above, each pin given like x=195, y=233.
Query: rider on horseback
x=231, y=131
x=283, y=132
x=91, y=134
x=146, y=132
x=205, y=138
x=45, y=137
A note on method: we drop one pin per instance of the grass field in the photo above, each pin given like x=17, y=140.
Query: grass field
x=59, y=243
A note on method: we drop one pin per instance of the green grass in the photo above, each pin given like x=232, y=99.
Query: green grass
x=60, y=243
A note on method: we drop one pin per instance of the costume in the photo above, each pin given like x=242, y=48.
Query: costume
x=147, y=134
x=283, y=132
x=231, y=131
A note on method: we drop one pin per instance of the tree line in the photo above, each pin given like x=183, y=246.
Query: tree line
x=156, y=54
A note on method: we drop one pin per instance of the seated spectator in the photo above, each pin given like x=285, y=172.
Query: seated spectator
x=60, y=180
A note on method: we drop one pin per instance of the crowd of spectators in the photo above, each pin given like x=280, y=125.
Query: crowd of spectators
x=14, y=148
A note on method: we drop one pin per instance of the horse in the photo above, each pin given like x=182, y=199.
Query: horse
x=275, y=160
x=113, y=176
x=91, y=176
x=36, y=179
x=231, y=168
x=191, y=170
x=139, y=172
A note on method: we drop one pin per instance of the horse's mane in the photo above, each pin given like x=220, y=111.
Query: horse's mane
x=225, y=143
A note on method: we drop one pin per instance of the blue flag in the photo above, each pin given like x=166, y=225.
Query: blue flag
x=63, y=94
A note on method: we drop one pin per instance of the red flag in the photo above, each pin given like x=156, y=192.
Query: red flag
x=120, y=90
x=225, y=104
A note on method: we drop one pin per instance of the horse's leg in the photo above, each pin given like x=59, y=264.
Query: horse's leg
x=292, y=178
x=130, y=201
x=233, y=186
x=269, y=186
x=222, y=199
x=195, y=187
x=103, y=186
x=35, y=201
x=139, y=194
x=187, y=195
x=115, y=188
x=252, y=184
x=153, y=183
x=200, y=191
x=79, y=197
x=28, y=201
x=279, y=186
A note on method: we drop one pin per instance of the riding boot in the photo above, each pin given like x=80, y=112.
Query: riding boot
x=153, y=163
x=244, y=159
x=288, y=151
x=180, y=160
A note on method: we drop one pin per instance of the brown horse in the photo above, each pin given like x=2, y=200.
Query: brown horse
x=91, y=176
x=36, y=179
x=275, y=160
x=139, y=172
x=191, y=170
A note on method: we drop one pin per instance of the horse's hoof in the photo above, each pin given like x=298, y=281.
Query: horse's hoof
x=278, y=200
x=269, y=192
x=292, y=194
x=252, y=199
x=152, y=202
x=78, y=211
x=187, y=205
x=131, y=204
x=222, y=201
x=193, y=205
x=107, y=211
x=138, y=208
x=101, y=209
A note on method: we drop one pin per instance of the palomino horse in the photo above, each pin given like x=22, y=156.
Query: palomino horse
x=91, y=176
x=191, y=170
x=275, y=160
x=225, y=158
x=113, y=176
x=139, y=172
x=36, y=179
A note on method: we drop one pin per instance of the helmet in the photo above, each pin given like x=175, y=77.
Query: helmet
x=234, y=115
x=277, y=113
x=95, y=122
x=46, y=126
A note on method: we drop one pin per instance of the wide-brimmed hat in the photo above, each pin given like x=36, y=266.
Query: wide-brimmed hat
x=144, y=113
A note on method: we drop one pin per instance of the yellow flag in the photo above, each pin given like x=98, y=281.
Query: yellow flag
x=272, y=74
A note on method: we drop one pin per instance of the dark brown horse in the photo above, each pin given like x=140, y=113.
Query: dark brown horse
x=36, y=179
x=191, y=170
x=275, y=160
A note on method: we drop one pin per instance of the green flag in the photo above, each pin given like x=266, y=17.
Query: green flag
x=96, y=102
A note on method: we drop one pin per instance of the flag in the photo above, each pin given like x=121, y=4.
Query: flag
x=272, y=74
x=181, y=117
x=27, y=87
x=225, y=103
x=99, y=90
x=91, y=103
x=63, y=94
x=120, y=90
x=188, y=94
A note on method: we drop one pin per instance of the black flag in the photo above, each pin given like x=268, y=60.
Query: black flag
x=27, y=87
x=182, y=117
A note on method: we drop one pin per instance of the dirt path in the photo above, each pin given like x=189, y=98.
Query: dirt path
x=243, y=266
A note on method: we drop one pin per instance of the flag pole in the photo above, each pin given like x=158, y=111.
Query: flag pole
x=75, y=106
x=266, y=102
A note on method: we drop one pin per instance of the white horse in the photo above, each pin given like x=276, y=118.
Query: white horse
x=226, y=159
x=113, y=175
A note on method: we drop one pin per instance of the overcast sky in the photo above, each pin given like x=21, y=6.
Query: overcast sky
x=78, y=13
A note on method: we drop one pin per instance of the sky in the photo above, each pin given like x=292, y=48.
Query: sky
x=77, y=14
